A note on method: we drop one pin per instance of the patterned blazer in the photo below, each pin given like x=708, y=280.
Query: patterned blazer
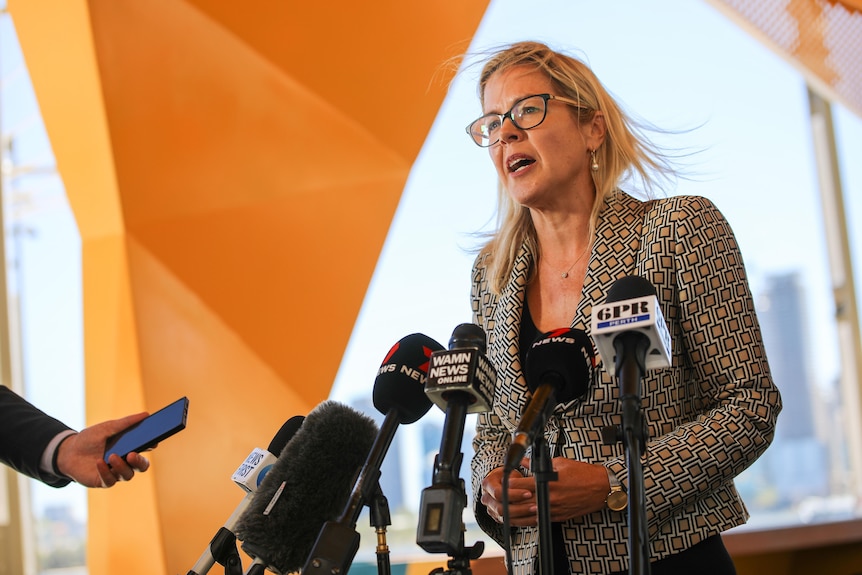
x=710, y=414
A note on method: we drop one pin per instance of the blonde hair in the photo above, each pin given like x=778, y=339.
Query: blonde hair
x=624, y=153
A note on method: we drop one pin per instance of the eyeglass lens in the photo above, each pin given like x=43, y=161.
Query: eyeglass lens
x=525, y=114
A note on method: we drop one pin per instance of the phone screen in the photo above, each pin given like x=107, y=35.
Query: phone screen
x=147, y=433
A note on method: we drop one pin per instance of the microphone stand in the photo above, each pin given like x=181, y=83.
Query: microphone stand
x=459, y=563
x=222, y=551
x=338, y=541
x=543, y=471
x=631, y=348
x=379, y=518
x=441, y=527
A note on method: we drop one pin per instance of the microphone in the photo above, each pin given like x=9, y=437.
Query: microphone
x=248, y=476
x=398, y=388
x=559, y=368
x=460, y=381
x=630, y=329
x=399, y=394
x=463, y=369
x=306, y=487
x=631, y=312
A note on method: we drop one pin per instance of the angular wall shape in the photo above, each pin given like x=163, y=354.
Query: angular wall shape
x=233, y=169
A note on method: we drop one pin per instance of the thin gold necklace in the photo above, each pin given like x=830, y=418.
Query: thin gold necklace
x=565, y=274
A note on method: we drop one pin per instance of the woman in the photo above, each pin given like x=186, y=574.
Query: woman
x=561, y=146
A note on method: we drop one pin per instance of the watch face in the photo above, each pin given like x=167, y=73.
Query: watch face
x=618, y=500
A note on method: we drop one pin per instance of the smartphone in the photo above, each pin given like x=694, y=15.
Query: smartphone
x=150, y=431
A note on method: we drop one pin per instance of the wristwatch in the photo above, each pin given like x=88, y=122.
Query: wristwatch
x=617, y=499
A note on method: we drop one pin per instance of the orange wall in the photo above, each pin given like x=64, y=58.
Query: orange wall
x=233, y=169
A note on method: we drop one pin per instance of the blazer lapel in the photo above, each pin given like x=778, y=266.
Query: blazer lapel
x=504, y=346
x=615, y=252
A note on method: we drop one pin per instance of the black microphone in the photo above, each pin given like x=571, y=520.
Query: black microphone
x=559, y=368
x=307, y=486
x=399, y=394
x=460, y=381
x=249, y=476
x=399, y=387
x=631, y=315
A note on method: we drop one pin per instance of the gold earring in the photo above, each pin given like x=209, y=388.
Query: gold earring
x=594, y=166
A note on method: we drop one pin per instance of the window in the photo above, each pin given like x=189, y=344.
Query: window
x=744, y=111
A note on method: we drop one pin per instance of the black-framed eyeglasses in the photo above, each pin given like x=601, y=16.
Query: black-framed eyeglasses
x=525, y=114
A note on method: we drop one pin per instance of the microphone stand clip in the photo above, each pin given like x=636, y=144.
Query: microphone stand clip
x=380, y=519
x=224, y=552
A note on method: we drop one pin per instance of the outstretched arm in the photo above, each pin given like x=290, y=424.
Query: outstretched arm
x=80, y=456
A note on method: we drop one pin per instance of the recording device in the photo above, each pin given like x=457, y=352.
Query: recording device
x=460, y=381
x=399, y=394
x=631, y=308
x=307, y=486
x=148, y=432
x=248, y=476
x=559, y=368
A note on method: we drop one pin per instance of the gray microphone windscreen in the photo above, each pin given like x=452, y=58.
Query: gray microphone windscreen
x=308, y=486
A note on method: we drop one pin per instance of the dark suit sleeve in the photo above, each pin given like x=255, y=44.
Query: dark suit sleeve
x=25, y=431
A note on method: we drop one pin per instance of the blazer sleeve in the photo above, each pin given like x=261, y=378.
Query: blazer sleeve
x=491, y=440
x=25, y=432
x=733, y=402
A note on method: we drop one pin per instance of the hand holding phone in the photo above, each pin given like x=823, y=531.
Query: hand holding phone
x=147, y=433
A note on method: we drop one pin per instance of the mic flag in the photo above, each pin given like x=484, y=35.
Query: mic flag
x=463, y=368
x=631, y=307
x=249, y=475
x=307, y=486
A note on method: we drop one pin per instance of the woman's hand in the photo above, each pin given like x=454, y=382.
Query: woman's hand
x=522, y=497
x=580, y=489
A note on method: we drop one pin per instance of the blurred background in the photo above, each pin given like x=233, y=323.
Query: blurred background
x=736, y=106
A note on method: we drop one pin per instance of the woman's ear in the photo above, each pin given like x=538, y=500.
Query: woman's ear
x=596, y=131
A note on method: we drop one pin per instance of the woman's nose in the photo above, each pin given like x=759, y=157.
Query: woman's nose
x=509, y=131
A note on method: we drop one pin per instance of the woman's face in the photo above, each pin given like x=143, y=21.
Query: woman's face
x=545, y=167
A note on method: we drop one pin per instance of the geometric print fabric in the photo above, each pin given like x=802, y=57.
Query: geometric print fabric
x=710, y=414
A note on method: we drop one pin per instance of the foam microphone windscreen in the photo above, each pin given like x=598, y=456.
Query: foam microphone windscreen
x=630, y=287
x=468, y=335
x=400, y=382
x=308, y=486
x=564, y=356
x=285, y=433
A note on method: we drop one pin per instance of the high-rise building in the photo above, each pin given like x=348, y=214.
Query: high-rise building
x=796, y=465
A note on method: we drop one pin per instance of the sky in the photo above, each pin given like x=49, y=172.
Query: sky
x=678, y=64
x=681, y=66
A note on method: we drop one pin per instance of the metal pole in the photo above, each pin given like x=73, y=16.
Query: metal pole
x=843, y=288
x=11, y=509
